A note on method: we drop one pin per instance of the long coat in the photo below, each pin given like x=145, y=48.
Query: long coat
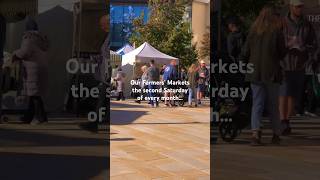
x=120, y=81
x=33, y=52
x=265, y=51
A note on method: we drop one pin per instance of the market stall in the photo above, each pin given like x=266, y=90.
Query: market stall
x=132, y=62
x=125, y=49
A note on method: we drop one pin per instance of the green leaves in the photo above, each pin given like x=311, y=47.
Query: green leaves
x=166, y=30
x=247, y=10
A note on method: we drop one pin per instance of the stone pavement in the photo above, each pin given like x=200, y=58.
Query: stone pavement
x=58, y=150
x=297, y=158
x=159, y=143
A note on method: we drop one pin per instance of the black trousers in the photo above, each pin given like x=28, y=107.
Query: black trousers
x=103, y=102
x=36, y=109
x=309, y=101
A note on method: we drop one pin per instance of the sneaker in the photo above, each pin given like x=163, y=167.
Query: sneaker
x=35, y=122
x=256, y=138
x=310, y=114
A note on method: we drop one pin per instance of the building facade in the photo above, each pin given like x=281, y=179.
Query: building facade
x=122, y=13
x=200, y=21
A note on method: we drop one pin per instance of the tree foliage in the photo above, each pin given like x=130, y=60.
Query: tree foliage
x=166, y=30
x=204, y=52
x=247, y=10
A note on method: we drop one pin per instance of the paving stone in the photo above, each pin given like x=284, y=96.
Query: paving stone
x=168, y=139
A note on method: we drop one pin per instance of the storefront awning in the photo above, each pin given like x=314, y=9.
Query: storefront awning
x=17, y=9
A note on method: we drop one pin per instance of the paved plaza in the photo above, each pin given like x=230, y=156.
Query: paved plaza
x=154, y=143
x=58, y=150
x=159, y=143
x=297, y=158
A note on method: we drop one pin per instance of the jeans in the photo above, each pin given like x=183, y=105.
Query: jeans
x=260, y=93
x=36, y=109
x=192, y=92
x=152, y=95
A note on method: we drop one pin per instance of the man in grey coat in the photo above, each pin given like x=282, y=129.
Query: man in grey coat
x=153, y=75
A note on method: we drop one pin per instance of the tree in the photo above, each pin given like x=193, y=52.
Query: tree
x=204, y=52
x=247, y=10
x=166, y=30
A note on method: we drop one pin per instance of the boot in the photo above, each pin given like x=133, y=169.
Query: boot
x=275, y=139
x=286, y=129
x=256, y=138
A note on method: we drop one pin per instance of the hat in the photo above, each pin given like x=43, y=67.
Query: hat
x=296, y=2
x=202, y=62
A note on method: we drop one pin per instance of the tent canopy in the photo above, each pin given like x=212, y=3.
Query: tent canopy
x=144, y=54
x=125, y=49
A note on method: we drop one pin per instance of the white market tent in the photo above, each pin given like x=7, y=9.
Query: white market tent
x=132, y=62
x=125, y=49
x=144, y=54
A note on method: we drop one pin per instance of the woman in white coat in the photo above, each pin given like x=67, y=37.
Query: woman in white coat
x=33, y=53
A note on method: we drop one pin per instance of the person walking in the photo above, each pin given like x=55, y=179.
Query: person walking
x=120, y=78
x=193, y=77
x=264, y=49
x=301, y=41
x=202, y=80
x=170, y=74
x=153, y=76
x=33, y=54
x=103, y=74
x=183, y=75
x=142, y=80
x=235, y=39
x=2, y=43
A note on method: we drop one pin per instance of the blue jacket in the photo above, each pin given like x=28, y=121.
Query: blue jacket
x=170, y=73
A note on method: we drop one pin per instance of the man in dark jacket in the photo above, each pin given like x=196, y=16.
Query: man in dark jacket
x=153, y=75
x=301, y=42
x=2, y=42
x=235, y=39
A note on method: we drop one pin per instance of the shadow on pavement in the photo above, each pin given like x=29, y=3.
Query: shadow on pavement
x=123, y=105
x=122, y=139
x=14, y=138
x=120, y=117
x=174, y=123
x=16, y=166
